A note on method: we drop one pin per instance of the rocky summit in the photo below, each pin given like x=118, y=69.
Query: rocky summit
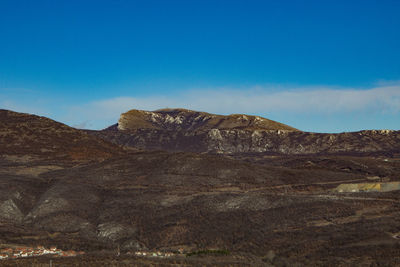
x=194, y=121
x=139, y=193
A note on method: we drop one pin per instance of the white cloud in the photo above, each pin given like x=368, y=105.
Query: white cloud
x=309, y=101
x=82, y=125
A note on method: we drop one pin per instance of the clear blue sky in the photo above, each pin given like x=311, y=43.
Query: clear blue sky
x=69, y=59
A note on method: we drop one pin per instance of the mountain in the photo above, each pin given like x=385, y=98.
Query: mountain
x=64, y=187
x=192, y=131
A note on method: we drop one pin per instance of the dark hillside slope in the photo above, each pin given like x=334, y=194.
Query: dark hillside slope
x=165, y=201
x=26, y=134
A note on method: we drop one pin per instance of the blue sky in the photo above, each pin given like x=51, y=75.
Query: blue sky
x=326, y=66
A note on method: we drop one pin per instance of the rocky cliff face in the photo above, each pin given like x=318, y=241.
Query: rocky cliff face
x=185, y=130
x=288, y=142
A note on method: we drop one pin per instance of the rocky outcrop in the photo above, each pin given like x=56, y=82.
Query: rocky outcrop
x=288, y=142
x=10, y=211
x=115, y=231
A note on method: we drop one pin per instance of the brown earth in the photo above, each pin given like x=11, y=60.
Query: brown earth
x=263, y=209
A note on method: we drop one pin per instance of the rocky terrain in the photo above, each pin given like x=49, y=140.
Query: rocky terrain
x=186, y=130
x=116, y=200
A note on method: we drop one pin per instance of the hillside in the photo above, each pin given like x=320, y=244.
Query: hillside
x=257, y=209
x=31, y=135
